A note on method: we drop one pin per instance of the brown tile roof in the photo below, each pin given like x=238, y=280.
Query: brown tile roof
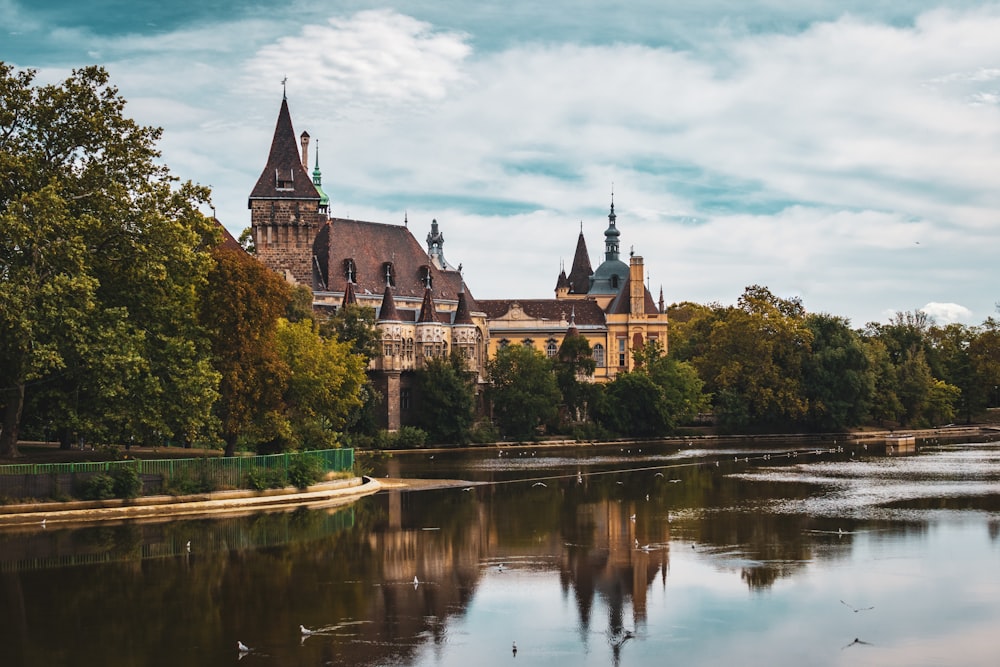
x=228, y=240
x=349, y=295
x=370, y=245
x=427, y=313
x=387, y=313
x=622, y=304
x=462, y=313
x=585, y=311
x=285, y=164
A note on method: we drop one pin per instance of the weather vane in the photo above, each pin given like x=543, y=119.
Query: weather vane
x=284, y=88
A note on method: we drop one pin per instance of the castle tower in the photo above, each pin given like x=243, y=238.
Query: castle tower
x=285, y=206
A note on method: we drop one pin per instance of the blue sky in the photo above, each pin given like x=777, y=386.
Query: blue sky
x=843, y=152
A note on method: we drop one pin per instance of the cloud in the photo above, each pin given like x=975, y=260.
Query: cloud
x=372, y=57
x=948, y=313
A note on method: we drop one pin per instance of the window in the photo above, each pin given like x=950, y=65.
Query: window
x=404, y=399
x=614, y=282
x=350, y=271
x=621, y=352
x=527, y=342
x=551, y=348
x=503, y=343
x=599, y=355
x=283, y=180
x=389, y=274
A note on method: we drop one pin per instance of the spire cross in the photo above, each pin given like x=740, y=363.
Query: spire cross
x=284, y=88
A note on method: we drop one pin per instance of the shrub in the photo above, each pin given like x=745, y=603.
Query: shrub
x=304, y=470
x=97, y=487
x=126, y=482
x=260, y=479
x=410, y=437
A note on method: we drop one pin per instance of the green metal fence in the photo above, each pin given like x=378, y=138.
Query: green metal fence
x=50, y=479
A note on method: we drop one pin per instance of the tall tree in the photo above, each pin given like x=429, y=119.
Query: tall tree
x=837, y=378
x=522, y=390
x=574, y=365
x=101, y=252
x=323, y=384
x=444, y=399
x=242, y=303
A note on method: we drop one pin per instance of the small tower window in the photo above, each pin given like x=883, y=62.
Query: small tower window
x=389, y=274
x=551, y=348
x=283, y=179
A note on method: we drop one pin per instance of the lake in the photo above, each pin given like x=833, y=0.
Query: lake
x=597, y=555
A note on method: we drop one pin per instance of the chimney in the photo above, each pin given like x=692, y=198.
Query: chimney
x=305, y=151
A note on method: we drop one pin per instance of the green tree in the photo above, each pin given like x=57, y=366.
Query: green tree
x=355, y=324
x=635, y=405
x=522, y=391
x=444, y=399
x=574, y=365
x=683, y=389
x=241, y=305
x=837, y=378
x=752, y=362
x=101, y=260
x=323, y=385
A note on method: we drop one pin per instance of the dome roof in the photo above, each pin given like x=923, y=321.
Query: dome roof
x=603, y=281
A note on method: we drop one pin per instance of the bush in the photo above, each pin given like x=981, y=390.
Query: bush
x=260, y=479
x=97, y=487
x=485, y=432
x=410, y=437
x=191, y=481
x=304, y=471
x=126, y=482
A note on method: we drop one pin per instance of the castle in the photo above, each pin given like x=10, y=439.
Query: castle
x=423, y=307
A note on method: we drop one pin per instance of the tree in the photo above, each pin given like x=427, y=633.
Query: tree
x=573, y=364
x=752, y=362
x=522, y=390
x=355, y=324
x=102, y=255
x=444, y=399
x=241, y=305
x=836, y=376
x=323, y=385
x=683, y=390
x=635, y=405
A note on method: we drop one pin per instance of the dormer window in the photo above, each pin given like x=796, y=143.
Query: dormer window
x=389, y=274
x=283, y=179
x=614, y=282
x=426, y=277
x=350, y=271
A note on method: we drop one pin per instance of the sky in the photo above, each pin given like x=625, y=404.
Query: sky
x=844, y=152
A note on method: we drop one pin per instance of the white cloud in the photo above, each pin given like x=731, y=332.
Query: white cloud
x=947, y=313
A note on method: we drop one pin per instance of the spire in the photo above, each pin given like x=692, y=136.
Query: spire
x=435, y=247
x=324, y=199
x=427, y=308
x=349, y=296
x=611, y=234
x=284, y=176
x=462, y=313
x=572, y=330
x=580, y=272
x=661, y=300
x=388, y=311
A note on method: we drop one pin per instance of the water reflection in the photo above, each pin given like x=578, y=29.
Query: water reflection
x=584, y=557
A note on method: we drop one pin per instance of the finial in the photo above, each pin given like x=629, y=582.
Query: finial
x=631, y=251
x=284, y=88
x=460, y=270
x=406, y=218
x=317, y=154
x=581, y=226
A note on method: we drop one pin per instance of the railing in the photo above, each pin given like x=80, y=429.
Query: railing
x=50, y=479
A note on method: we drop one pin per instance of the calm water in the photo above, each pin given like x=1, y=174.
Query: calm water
x=592, y=556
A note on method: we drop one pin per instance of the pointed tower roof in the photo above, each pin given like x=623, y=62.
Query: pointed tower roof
x=387, y=313
x=572, y=330
x=463, y=315
x=427, y=308
x=284, y=177
x=562, y=282
x=580, y=272
x=349, y=295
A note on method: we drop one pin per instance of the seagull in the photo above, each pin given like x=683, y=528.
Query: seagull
x=415, y=582
x=674, y=481
x=43, y=523
x=514, y=649
x=241, y=647
x=855, y=609
x=538, y=484
x=632, y=518
x=579, y=478
x=619, y=482
x=857, y=641
x=188, y=546
x=659, y=474
x=468, y=488
x=500, y=567
x=305, y=631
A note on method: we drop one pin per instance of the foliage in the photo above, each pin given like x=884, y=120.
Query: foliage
x=303, y=471
x=189, y=481
x=241, y=305
x=635, y=406
x=407, y=437
x=103, y=255
x=573, y=365
x=837, y=378
x=522, y=391
x=444, y=399
x=261, y=479
x=97, y=487
x=753, y=359
x=683, y=391
x=354, y=324
x=323, y=385
x=127, y=482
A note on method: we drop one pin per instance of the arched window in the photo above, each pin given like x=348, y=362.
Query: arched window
x=503, y=343
x=389, y=274
x=599, y=355
x=551, y=348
